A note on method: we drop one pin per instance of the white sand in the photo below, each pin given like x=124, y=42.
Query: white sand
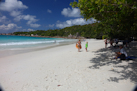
x=64, y=69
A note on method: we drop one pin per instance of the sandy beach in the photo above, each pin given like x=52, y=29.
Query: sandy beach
x=63, y=68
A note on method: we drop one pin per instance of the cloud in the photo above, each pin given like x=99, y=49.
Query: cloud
x=79, y=21
x=51, y=25
x=30, y=18
x=10, y=5
x=19, y=17
x=49, y=11
x=74, y=12
x=15, y=13
x=27, y=30
x=13, y=6
x=30, y=29
x=4, y=19
x=10, y=26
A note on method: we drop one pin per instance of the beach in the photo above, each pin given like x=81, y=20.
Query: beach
x=63, y=68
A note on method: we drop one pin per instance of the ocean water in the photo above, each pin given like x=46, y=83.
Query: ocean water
x=10, y=42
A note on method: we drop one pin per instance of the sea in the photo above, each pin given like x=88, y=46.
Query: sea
x=13, y=44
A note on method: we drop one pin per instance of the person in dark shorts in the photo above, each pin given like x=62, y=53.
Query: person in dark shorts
x=105, y=43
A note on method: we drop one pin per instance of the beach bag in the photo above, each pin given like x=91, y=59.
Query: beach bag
x=122, y=57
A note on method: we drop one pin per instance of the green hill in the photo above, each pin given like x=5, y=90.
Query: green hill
x=87, y=31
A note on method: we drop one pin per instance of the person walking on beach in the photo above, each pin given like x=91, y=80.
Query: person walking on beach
x=78, y=44
x=105, y=43
x=86, y=46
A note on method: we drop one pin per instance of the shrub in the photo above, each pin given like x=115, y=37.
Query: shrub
x=104, y=36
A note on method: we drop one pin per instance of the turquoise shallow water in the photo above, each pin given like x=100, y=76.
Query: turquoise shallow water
x=10, y=42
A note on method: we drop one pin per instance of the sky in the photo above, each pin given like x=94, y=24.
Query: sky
x=31, y=15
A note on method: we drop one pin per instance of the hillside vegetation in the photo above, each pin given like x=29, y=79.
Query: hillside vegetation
x=87, y=31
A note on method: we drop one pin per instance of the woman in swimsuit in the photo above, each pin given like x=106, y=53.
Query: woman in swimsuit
x=79, y=45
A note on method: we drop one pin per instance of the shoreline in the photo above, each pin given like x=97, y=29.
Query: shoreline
x=6, y=53
x=79, y=37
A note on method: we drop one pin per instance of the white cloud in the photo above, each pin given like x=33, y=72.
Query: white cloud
x=51, y=25
x=49, y=11
x=74, y=12
x=10, y=5
x=19, y=17
x=30, y=18
x=15, y=13
x=79, y=21
x=27, y=29
x=3, y=18
x=30, y=29
x=9, y=26
x=13, y=7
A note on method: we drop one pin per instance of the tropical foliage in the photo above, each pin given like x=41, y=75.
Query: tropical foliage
x=118, y=18
x=87, y=31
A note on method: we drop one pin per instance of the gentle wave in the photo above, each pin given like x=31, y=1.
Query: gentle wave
x=30, y=42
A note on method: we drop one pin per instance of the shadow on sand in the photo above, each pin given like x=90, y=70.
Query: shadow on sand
x=105, y=57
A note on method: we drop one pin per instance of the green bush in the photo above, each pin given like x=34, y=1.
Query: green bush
x=104, y=36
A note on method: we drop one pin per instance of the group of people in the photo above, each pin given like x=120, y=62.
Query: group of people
x=78, y=45
x=122, y=53
x=111, y=41
x=126, y=42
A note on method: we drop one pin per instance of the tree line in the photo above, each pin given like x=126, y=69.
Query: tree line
x=87, y=31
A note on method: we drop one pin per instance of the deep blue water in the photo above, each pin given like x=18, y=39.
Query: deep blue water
x=14, y=42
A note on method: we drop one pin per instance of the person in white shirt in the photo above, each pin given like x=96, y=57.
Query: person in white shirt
x=121, y=53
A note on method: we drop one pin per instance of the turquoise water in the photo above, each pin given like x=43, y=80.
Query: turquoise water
x=19, y=42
